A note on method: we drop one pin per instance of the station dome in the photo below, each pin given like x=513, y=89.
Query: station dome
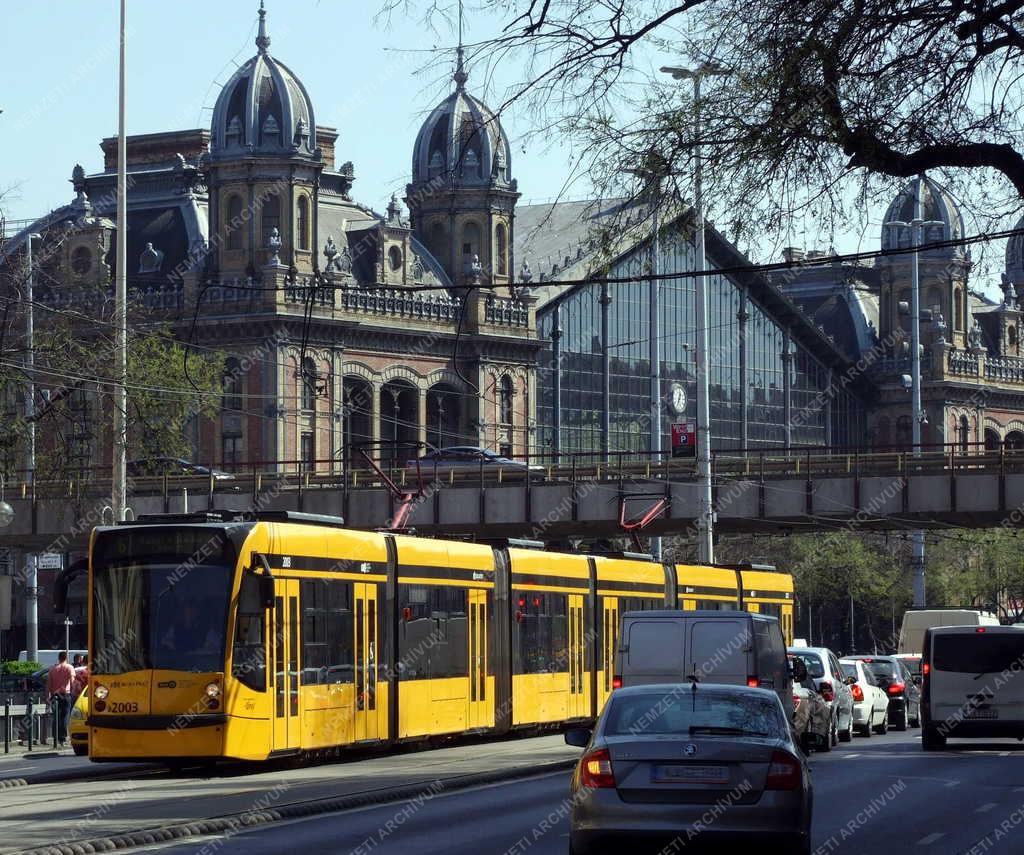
x=936, y=205
x=263, y=108
x=462, y=141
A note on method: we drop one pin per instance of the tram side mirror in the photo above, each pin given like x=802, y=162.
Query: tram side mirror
x=266, y=591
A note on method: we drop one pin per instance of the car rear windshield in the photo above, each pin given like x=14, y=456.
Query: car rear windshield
x=683, y=710
x=815, y=667
x=913, y=664
x=849, y=669
x=978, y=653
x=881, y=668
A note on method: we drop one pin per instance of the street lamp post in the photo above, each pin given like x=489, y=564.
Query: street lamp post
x=917, y=411
x=705, y=519
x=31, y=574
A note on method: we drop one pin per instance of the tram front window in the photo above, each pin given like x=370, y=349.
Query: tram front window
x=162, y=616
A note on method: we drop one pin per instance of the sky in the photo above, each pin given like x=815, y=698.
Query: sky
x=366, y=77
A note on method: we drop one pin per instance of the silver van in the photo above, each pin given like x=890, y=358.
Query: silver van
x=972, y=683
x=735, y=648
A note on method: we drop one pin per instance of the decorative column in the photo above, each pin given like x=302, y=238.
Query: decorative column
x=421, y=414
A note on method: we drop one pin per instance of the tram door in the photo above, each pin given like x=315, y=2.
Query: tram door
x=480, y=703
x=285, y=640
x=578, y=706
x=609, y=644
x=366, y=651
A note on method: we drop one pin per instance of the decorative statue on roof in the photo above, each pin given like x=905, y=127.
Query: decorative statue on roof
x=274, y=245
x=331, y=254
x=150, y=260
x=394, y=211
x=939, y=328
x=974, y=336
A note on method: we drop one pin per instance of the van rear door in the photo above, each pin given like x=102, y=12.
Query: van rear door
x=976, y=676
x=653, y=651
x=720, y=650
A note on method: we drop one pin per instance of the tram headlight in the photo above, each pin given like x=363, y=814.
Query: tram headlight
x=213, y=690
x=100, y=691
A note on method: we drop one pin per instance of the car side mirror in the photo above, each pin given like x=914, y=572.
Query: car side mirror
x=578, y=737
x=850, y=681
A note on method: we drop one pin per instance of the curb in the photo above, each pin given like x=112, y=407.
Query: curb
x=235, y=823
x=84, y=773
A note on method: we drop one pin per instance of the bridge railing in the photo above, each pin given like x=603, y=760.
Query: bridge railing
x=261, y=479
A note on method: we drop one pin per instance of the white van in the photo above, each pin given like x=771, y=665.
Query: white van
x=915, y=622
x=973, y=683
x=735, y=648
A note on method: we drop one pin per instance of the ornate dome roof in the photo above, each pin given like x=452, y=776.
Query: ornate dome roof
x=263, y=108
x=1015, y=255
x=937, y=205
x=463, y=141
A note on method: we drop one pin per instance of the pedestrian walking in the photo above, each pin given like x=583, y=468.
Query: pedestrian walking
x=60, y=683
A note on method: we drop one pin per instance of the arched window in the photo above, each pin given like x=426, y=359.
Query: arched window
x=501, y=239
x=308, y=381
x=958, y=309
x=506, y=415
x=233, y=385
x=302, y=223
x=470, y=242
x=395, y=258
x=965, y=435
x=271, y=217
x=233, y=222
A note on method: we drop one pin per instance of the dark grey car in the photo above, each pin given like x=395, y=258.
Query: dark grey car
x=692, y=766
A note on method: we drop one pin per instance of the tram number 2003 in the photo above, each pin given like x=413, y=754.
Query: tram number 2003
x=124, y=707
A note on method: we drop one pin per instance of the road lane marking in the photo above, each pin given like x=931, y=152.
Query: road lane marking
x=851, y=756
x=957, y=783
x=985, y=808
x=931, y=838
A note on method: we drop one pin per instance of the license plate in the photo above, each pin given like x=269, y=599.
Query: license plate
x=689, y=774
x=981, y=714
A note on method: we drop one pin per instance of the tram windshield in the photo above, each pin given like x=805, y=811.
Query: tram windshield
x=160, y=600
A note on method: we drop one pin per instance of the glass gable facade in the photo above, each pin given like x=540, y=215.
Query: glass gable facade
x=753, y=402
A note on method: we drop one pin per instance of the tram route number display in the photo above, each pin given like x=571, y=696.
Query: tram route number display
x=684, y=439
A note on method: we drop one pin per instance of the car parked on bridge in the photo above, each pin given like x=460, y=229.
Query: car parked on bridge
x=174, y=467
x=467, y=457
x=661, y=754
x=824, y=668
x=895, y=679
x=870, y=703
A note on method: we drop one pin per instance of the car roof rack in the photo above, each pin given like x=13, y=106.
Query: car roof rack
x=224, y=516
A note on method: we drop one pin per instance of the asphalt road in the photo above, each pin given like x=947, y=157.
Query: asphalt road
x=872, y=796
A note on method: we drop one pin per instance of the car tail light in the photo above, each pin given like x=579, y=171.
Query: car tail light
x=858, y=692
x=980, y=629
x=926, y=669
x=753, y=682
x=596, y=770
x=826, y=691
x=784, y=772
x=616, y=682
x=896, y=688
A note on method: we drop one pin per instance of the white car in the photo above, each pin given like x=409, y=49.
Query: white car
x=870, y=703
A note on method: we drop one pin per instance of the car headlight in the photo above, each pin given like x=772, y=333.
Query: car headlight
x=213, y=690
x=100, y=691
x=77, y=713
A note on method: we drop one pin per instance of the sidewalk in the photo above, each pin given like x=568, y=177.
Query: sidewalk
x=162, y=808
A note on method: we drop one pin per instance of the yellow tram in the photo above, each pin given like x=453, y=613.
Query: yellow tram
x=287, y=633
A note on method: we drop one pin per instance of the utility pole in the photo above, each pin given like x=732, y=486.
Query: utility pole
x=705, y=518
x=31, y=572
x=119, y=499
x=655, y=344
x=917, y=412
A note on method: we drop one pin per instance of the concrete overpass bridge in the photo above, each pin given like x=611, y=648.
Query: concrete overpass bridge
x=769, y=491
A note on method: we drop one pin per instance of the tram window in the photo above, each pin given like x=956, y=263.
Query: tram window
x=248, y=658
x=717, y=605
x=433, y=636
x=773, y=609
x=327, y=631
x=541, y=637
x=639, y=604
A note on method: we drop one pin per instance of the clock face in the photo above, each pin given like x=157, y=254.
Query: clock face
x=679, y=399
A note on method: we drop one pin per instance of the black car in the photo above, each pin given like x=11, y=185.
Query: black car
x=154, y=467
x=900, y=685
